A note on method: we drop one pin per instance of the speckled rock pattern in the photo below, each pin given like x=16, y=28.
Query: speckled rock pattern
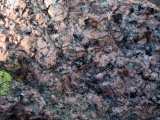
x=80, y=59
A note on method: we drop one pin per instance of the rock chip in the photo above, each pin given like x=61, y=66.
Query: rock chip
x=57, y=12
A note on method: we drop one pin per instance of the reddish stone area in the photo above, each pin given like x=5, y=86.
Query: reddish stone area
x=81, y=59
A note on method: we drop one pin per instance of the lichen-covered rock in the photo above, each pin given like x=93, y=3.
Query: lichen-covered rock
x=80, y=59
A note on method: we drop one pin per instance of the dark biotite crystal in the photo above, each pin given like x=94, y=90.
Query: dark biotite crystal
x=117, y=18
x=51, y=29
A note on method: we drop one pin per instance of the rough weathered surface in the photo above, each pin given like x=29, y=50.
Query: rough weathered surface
x=80, y=60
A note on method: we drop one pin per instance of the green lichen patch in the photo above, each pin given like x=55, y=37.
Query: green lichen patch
x=5, y=82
